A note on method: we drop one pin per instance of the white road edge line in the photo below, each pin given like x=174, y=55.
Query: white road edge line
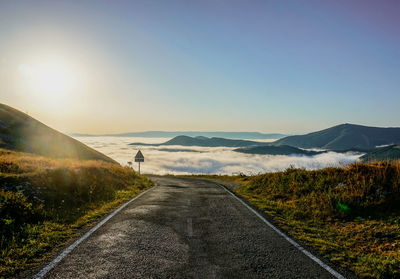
x=190, y=227
x=294, y=243
x=69, y=249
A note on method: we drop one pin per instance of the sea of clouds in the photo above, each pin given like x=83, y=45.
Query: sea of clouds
x=207, y=160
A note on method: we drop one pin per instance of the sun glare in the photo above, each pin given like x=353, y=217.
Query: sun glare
x=52, y=77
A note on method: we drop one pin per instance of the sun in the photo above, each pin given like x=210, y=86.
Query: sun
x=50, y=77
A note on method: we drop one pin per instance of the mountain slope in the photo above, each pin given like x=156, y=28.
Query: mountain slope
x=343, y=137
x=20, y=132
x=205, y=142
x=386, y=153
x=276, y=150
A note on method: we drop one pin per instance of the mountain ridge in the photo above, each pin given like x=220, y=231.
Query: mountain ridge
x=171, y=134
x=277, y=150
x=204, y=142
x=344, y=136
x=21, y=132
x=385, y=153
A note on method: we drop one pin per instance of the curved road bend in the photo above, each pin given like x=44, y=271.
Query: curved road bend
x=186, y=228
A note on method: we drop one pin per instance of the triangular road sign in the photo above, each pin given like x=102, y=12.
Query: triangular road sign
x=139, y=157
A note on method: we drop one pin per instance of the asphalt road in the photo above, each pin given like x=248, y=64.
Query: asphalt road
x=186, y=228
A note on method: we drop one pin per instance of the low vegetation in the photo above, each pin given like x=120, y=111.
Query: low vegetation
x=351, y=215
x=45, y=202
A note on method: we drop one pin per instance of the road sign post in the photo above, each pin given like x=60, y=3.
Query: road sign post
x=139, y=158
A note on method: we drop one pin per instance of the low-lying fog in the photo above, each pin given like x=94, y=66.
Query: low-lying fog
x=207, y=160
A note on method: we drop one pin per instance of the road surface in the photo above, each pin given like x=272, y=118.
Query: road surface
x=186, y=228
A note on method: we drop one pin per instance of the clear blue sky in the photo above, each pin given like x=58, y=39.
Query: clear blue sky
x=270, y=66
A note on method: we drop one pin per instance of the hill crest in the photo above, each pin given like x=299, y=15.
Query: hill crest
x=205, y=142
x=21, y=132
x=343, y=137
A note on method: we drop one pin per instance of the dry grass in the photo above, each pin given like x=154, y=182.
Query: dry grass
x=351, y=215
x=43, y=202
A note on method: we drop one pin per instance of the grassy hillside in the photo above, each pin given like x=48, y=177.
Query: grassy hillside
x=387, y=153
x=20, y=132
x=351, y=215
x=44, y=202
x=344, y=137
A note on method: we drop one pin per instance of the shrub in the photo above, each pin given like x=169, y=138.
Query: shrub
x=16, y=213
x=44, y=201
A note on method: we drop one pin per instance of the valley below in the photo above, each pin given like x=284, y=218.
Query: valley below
x=178, y=159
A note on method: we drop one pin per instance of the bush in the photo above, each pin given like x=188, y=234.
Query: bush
x=59, y=190
x=44, y=201
x=16, y=213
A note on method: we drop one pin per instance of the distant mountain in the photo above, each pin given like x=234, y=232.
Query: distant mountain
x=178, y=150
x=20, y=132
x=344, y=137
x=164, y=134
x=386, y=153
x=277, y=150
x=205, y=142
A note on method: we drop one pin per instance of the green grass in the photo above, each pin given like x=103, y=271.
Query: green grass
x=44, y=203
x=350, y=215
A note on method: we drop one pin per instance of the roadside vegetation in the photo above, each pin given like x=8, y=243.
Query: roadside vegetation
x=350, y=215
x=45, y=202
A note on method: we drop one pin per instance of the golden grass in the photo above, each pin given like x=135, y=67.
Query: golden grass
x=44, y=202
x=350, y=215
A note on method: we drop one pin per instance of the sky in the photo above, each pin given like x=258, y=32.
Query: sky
x=270, y=66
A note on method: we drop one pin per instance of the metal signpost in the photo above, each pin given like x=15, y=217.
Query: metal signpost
x=139, y=158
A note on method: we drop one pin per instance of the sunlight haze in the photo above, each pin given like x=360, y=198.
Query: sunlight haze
x=268, y=66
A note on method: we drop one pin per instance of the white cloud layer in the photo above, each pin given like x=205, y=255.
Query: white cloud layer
x=207, y=160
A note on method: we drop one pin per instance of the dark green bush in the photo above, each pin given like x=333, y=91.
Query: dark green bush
x=16, y=213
